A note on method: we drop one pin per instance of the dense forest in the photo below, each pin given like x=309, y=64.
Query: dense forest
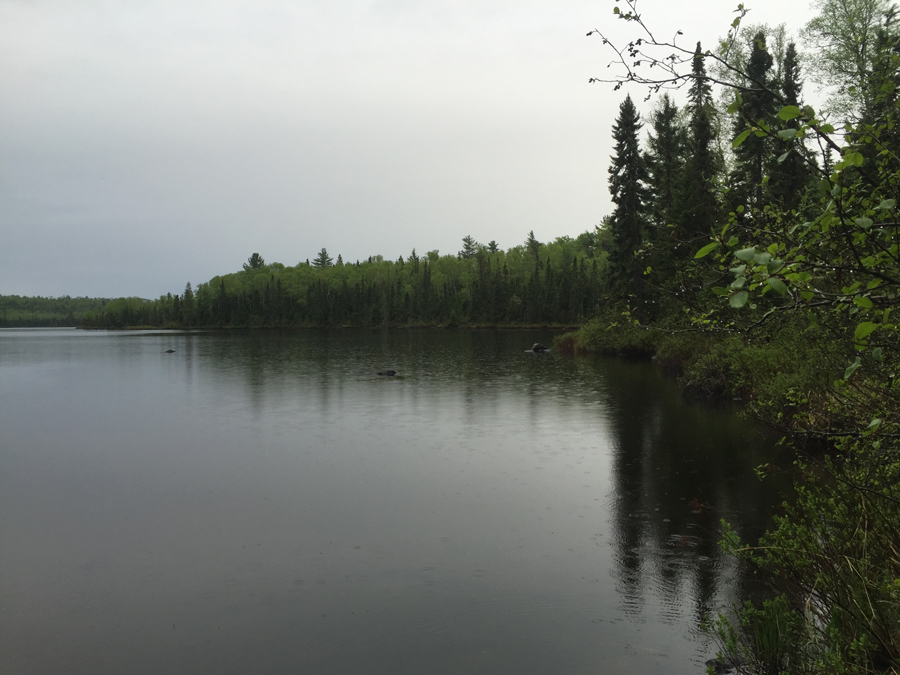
x=535, y=283
x=16, y=311
x=755, y=250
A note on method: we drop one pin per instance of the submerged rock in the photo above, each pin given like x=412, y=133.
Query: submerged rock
x=722, y=666
x=170, y=351
x=386, y=373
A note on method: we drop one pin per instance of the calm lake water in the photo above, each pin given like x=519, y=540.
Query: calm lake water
x=262, y=502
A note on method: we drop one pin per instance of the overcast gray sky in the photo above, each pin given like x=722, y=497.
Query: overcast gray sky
x=147, y=144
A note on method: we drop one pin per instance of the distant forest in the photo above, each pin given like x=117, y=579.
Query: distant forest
x=560, y=282
x=16, y=311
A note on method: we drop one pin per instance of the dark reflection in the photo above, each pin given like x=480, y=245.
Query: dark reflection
x=262, y=501
x=679, y=468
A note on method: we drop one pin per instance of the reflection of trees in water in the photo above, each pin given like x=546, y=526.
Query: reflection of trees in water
x=677, y=469
x=481, y=366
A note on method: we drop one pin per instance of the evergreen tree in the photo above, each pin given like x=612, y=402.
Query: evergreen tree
x=254, y=262
x=753, y=157
x=187, y=304
x=627, y=174
x=697, y=205
x=790, y=176
x=469, y=247
x=533, y=246
x=665, y=161
x=322, y=260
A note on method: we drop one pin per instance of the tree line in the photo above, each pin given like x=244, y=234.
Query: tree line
x=559, y=282
x=18, y=311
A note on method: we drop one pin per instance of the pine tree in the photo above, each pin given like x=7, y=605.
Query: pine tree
x=665, y=168
x=469, y=247
x=533, y=246
x=665, y=161
x=627, y=174
x=322, y=260
x=187, y=304
x=254, y=262
x=697, y=205
x=754, y=156
x=790, y=176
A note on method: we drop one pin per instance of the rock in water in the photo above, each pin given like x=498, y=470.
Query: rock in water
x=538, y=347
x=386, y=373
x=170, y=351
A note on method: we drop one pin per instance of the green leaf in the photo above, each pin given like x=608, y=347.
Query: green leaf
x=877, y=354
x=864, y=330
x=886, y=205
x=777, y=285
x=719, y=290
x=741, y=138
x=739, y=299
x=789, y=112
x=787, y=134
x=706, y=250
x=864, y=223
x=746, y=254
x=854, y=158
x=783, y=157
x=852, y=368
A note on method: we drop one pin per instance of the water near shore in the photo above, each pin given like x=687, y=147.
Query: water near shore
x=264, y=502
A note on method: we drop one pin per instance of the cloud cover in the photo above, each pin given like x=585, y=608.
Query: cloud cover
x=146, y=144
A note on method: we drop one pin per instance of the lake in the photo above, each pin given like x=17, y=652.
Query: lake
x=263, y=502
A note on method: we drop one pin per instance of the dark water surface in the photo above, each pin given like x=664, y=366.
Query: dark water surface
x=261, y=502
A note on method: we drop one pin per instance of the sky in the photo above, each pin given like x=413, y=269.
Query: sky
x=144, y=145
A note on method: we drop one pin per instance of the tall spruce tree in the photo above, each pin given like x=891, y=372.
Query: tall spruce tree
x=627, y=175
x=697, y=205
x=791, y=173
x=665, y=161
x=753, y=157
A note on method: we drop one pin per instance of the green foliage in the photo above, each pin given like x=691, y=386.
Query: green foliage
x=843, y=36
x=627, y=174
x=17, y=311
x=555, y=283
x=697, y=203
x=834, y=551
x=254, y=262
x=322, y=259
x=794, y=294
